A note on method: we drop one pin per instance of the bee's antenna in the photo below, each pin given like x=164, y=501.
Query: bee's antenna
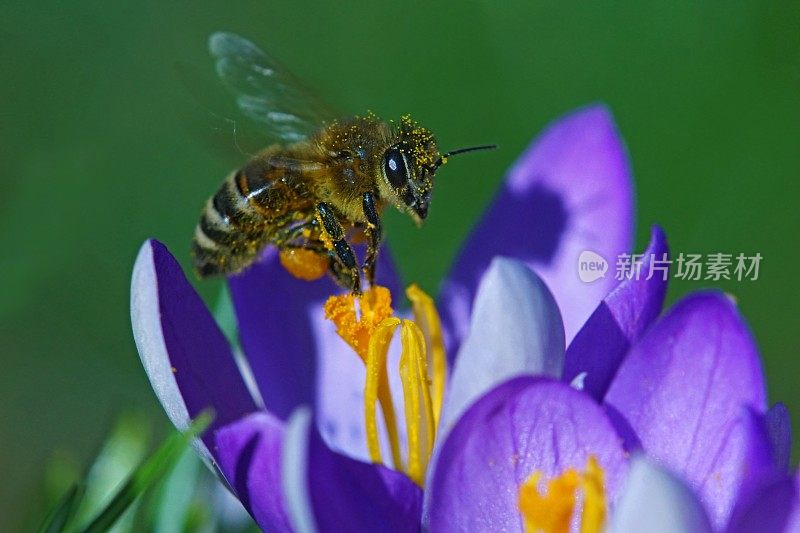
x=470, y=149
x=442, y=160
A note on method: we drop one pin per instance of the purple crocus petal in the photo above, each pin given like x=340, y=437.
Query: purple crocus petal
x=570, y=191
x=780, y=432
x=654, y=500
x=250, y=452
x=278, y=317
x=326, y=491
x=618, y=322
x=523, y=425
x=516, y=329
x=186, y=356
x=747, y=448
x=771, y=510
x=339, y=408
x=683, y=390
x=793, y=523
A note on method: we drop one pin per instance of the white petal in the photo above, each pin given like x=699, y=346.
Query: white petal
x=294, y=471
x=579, y=381
x=149, y=338
x=656, y=501
x=516, y=328
x=146, y=321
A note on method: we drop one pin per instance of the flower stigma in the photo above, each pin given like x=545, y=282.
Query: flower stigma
x=367, y=324
x=552, y=511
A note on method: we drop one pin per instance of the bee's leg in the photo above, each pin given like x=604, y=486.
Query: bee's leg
x=343, y=260
x=374, y=235
x=342, y=275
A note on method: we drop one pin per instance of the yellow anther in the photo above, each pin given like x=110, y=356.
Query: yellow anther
x=408, y=374
x=417, y=400
x=369, y=331
x=375, y=306
x=594, y=498
x=427, y=318
x=359, y=331
x=552, y=511
x=377, y=388
x=427, y=405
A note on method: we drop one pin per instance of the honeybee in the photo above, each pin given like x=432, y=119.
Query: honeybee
x=324, y=181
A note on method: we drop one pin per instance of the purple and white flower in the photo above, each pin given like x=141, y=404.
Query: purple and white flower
x=656, y=423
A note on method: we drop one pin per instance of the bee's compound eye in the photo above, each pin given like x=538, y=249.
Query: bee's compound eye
x=394, y=166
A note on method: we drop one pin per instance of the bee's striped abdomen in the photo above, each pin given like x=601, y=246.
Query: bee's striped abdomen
x=249, y=209
x=231, y=231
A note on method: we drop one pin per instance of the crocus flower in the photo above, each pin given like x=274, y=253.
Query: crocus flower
x=568, y=404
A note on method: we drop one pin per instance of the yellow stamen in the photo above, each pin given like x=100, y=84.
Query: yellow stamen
x=594, y=498
x=408, y=372
x=417, y=400
x=369, y=332
x=377, y=388
x=375, y=305
x=552, y=511
x=427, y=318
x=358, y=331
x=424, y=385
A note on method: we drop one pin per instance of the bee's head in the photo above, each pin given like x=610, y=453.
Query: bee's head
x=409, y=166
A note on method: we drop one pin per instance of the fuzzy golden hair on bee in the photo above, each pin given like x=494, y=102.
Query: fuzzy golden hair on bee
x=418, y=141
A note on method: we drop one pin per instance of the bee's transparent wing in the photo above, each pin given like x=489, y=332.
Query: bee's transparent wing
x=266, y=92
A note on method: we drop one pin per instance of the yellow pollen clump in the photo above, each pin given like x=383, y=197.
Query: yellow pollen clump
x=370, y=332
x=326, y=239
x=552, y=511
x=303, y=264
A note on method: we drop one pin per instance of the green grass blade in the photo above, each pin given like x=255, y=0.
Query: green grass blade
x=177, y=493
x=147, y=475
x=59, y=517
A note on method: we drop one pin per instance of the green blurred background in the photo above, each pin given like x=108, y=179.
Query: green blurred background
x=103, y=146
